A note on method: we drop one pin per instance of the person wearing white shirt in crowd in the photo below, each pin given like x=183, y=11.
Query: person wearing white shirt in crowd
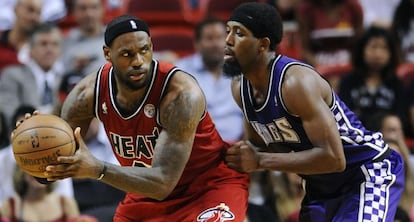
x=82, y=46
x=206, y=67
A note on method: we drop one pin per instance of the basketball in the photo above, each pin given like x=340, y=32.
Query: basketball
x=39, y=140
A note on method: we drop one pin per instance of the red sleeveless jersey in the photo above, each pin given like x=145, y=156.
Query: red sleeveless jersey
x=206, y=181
x=133, y=137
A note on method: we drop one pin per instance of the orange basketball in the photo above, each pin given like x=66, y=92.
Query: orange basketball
x=39, y=140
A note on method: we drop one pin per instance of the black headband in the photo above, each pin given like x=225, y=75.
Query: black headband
x=261, y=19
x=124, y=24
x=247, y=18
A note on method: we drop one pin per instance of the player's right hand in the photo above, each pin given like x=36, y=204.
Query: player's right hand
x=242, y=157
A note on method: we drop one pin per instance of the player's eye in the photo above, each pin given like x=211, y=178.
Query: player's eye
x=239, y=32
x=126, y=54
x=144, y=50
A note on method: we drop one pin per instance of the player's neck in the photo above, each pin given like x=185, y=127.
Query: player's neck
x=128, y=100
x=259, y=73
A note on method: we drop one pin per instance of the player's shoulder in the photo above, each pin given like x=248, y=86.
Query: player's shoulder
x=179, y=80
x=304, y=80
x=300, y=72
x=183, y=81
x=86, y=86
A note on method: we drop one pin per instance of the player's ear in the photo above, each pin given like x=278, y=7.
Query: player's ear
x=107, y=53
x=264, y=44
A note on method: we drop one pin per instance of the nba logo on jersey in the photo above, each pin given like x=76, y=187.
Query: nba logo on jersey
x=149, y=110
x=219, y=213
x=133, y=24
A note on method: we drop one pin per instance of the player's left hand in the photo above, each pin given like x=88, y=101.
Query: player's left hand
x=242, y=157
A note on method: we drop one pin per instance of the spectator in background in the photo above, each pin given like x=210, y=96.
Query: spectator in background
x=34, y=83
x=328, y=29
x=12, y=42
x=390, y=126
x=82, y=46
x=37, y=202
x=63, y=187
x=52, y=11
x=378, y=13
x=403, y=27
x=373, y=86
x=206, y=66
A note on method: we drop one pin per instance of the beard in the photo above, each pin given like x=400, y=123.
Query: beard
x=232, y=69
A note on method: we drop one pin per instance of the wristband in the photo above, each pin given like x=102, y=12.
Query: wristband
x=103, y=171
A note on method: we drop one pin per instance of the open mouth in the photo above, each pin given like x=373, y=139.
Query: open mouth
x=228, y=55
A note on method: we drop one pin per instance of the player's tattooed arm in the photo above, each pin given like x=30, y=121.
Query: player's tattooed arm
x=77, y=109
x=180, y=113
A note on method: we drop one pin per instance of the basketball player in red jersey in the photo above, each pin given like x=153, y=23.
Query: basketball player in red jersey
x=155, y=117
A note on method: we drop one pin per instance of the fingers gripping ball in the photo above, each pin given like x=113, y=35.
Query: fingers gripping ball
x=39, y=140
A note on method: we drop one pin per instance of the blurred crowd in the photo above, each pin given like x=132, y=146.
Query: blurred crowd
x=364, y=48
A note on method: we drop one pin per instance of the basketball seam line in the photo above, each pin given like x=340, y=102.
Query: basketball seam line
x=34, y=151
